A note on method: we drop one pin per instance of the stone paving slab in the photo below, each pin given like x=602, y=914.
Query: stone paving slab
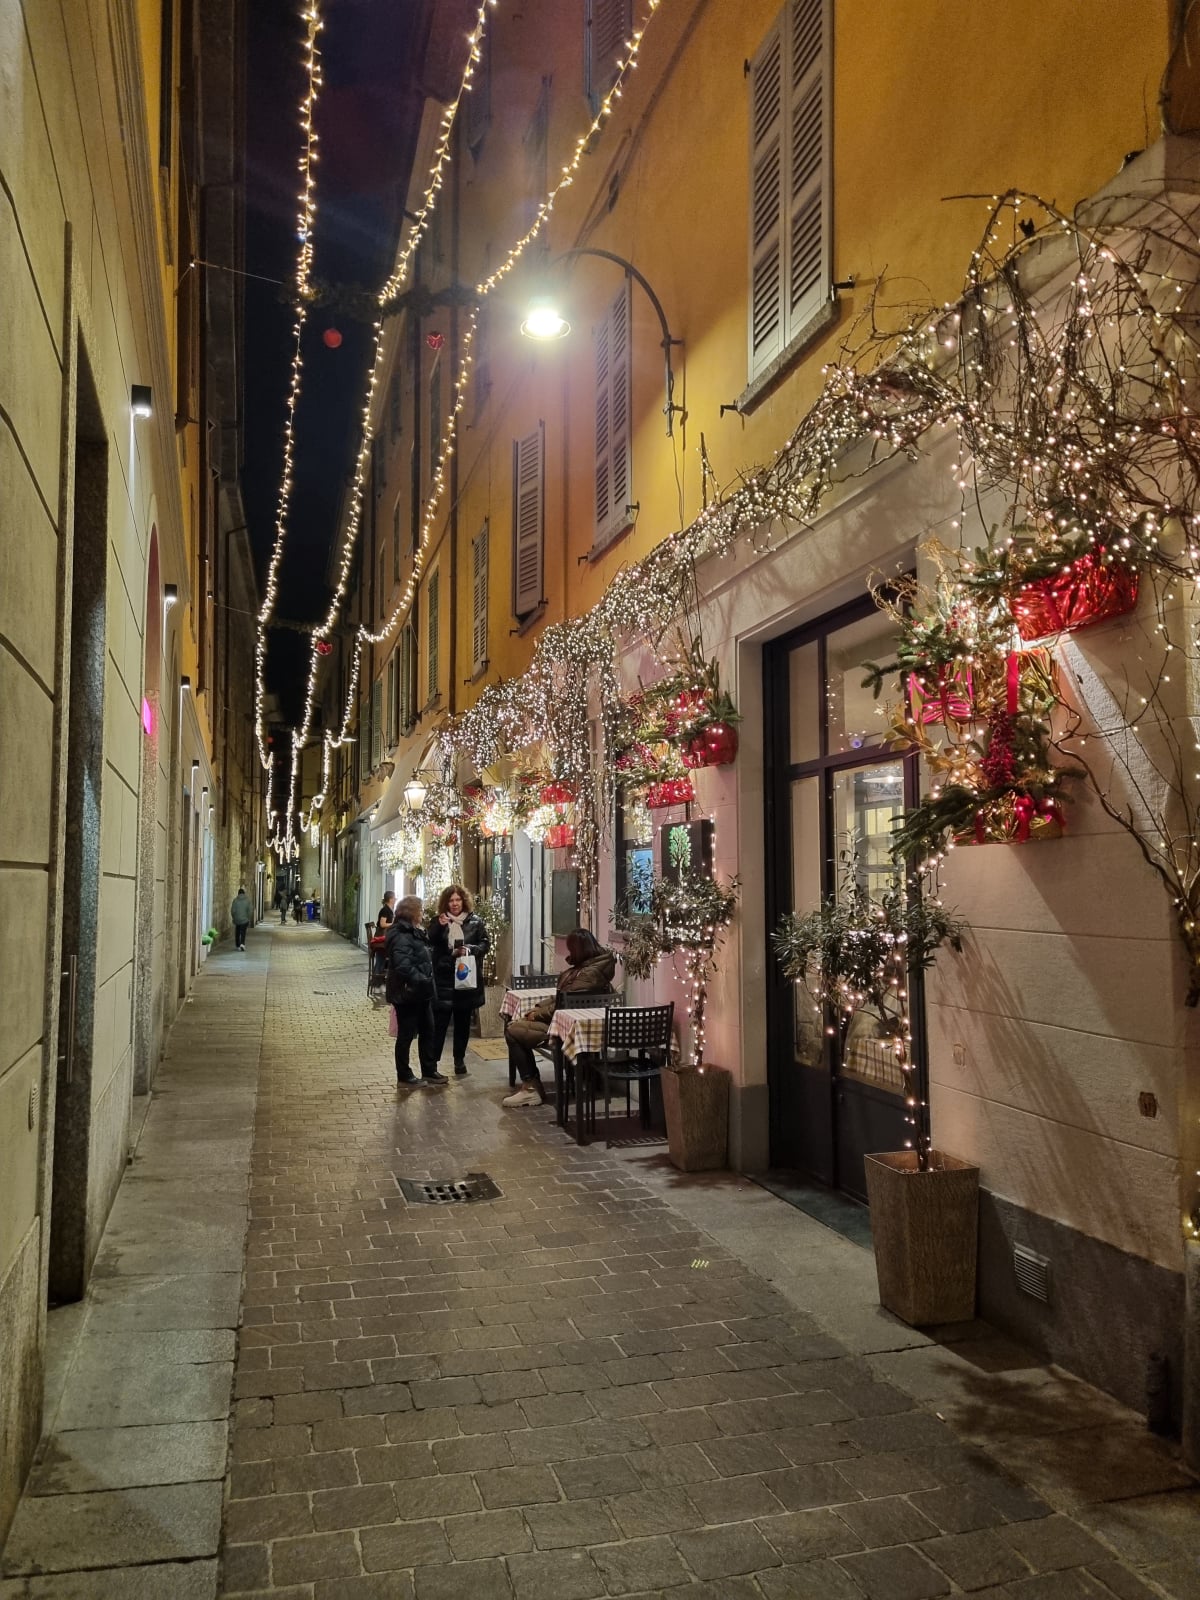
x=591, y=1387
x=124, y=1501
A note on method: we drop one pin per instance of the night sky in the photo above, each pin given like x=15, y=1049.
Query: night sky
x=367, y=116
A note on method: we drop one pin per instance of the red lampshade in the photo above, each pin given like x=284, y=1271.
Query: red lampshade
x=331, y=338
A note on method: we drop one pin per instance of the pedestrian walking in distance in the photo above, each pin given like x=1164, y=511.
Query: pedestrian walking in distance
x=281, y=905
x=297, y=907
x=590, y=969
x=239, y=911
x=384, y=920
x=454, y=932
x=410, y=991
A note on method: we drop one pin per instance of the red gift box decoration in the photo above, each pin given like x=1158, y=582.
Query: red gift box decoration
x=561, y=836
x=714, y=746
x=557, y=793
x=1090, y=590
x=671, y=792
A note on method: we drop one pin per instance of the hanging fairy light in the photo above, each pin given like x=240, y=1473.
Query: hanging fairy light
x=626, y=63
x=305, y=217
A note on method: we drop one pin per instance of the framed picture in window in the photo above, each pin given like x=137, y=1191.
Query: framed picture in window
x=685, y=849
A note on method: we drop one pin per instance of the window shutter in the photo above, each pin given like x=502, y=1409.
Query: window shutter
x=808, y=255
x=435, y=416
x=790, y=213
x=433, y=629
x=397, y=519
x=364, y=739
x=395, y=400
x=376, y=723
x=608, y=26
x=528, y=520
x=612, y=439
x=766, y=201
x=408, y=677
x=479, y=599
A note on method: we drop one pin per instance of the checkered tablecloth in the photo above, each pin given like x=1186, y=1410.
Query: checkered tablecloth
x=581, y=1032
x=517, y=1000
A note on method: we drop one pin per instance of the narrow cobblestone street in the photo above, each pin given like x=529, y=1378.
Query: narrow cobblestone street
x=570, y=1391
x=611, y=1380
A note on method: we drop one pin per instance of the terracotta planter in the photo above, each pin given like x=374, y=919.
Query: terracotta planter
x=925, y=1227
x=696, y=1104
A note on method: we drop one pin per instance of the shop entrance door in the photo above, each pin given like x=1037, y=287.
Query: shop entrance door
x=834, y=789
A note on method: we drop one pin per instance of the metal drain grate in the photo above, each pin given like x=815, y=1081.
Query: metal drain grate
x=448, y=1191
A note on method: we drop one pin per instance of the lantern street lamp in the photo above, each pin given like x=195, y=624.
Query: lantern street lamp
x=414, y=794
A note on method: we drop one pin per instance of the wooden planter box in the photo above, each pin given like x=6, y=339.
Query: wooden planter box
x=696, y=1105
x=925, y=1227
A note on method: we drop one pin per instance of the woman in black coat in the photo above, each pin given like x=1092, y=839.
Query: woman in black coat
x=410, y=990
x=456, y=928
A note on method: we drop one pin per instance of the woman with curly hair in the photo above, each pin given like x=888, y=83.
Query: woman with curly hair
x=455, y=930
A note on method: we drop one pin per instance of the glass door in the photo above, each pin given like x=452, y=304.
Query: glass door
x=834, y=792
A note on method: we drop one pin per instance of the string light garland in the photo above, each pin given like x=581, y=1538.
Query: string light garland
x=364, y=637
x=391, y=288
x=305, y=218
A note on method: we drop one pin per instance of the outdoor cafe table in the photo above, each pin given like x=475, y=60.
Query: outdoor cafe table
x=573, y=1034
x=517, y=1000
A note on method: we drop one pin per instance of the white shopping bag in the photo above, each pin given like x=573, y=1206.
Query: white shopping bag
x=464, y=970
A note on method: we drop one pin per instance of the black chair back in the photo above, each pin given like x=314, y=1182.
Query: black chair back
x=587, y=1000
x=370, y=930
x=639, y=1028
x=533, y=980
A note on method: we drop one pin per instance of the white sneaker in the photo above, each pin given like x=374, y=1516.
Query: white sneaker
x=523, y=1097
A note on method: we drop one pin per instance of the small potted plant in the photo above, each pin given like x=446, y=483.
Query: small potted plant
x=852, y=955
x=688, y=920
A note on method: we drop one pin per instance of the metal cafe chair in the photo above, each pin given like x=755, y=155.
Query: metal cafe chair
x=564, y=1074
x=528, y=980
x=635, y=1048
x=375, y=980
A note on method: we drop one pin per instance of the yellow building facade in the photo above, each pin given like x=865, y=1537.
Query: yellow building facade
x=772, y=173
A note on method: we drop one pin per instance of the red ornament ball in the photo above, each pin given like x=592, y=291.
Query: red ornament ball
x=331, y=338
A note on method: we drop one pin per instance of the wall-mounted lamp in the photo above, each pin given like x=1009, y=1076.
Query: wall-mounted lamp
x=140, y=401
x=545, y=321
x=414, y=794
x=170, y=595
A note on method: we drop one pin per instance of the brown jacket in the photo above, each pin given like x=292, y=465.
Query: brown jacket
x=594, y=976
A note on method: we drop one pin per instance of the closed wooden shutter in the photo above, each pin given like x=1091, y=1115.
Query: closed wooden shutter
x=766, y=201
x=479, y=599
x=376, y=723
x=790, y=202
x=609, y=24
x=433, y=630
x=612, y=420
x=528, y=520
x=408, y=677
x=808, y=267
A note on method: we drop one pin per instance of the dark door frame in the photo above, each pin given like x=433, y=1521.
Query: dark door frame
x=780, y=772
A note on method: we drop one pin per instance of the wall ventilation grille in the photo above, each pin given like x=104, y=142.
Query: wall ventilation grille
x=1033, y=1273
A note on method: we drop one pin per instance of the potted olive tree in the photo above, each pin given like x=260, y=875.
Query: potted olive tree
x=857, y=955
x=687, y=921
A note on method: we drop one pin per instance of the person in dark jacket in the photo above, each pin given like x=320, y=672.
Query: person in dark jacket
x=297, y=907
x=590, y=969
x=454, y=930
x=240, y=913
x=410, y=990
x=384, y=920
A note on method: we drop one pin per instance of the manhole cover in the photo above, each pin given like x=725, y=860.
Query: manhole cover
x=448, y=1191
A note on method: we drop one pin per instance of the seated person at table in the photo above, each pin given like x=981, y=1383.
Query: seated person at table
x=590, y=969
